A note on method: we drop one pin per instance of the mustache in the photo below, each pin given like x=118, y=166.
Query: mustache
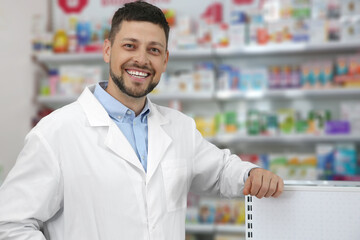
x=143, y=67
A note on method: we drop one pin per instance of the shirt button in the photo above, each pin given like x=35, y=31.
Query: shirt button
x=128, y=112
x=119, y=117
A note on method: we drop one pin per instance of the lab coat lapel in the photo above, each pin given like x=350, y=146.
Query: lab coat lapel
x=158, y=140
x=115, y=139
x=118, y=143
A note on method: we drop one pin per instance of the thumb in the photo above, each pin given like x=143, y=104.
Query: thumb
x=247, y=187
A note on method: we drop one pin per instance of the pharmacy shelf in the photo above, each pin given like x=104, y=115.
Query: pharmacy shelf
x=67, y=57
x=200, y=228
x=210, y=52
x=98, y=56
x=194, y=96
x=289, y=93
x=229, y=95
x=226, y=139
x=287, y=48
x=215, y=228
x=63, y=99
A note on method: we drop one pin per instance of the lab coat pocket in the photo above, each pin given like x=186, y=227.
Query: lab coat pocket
x=175, y=182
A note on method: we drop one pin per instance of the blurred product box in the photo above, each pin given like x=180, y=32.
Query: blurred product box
x=350, y=111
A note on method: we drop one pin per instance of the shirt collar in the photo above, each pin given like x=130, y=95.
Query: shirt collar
x=115, y=108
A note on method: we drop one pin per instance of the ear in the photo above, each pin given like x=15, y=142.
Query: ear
x=106, y=50
x=166, y=60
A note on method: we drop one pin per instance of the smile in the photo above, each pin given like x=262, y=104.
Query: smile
x=137, y=74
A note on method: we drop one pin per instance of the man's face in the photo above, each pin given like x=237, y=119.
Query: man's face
x=137, y=57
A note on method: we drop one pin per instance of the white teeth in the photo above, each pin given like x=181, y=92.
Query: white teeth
x=137, y=74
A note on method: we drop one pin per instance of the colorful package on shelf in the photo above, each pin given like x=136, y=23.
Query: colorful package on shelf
x=347, y=29
x=318, y=31
x=237, y=28
x=348, y=71
x=319, y=9
x=230, y=211
x=281, y=31
x=301, y=30
x=253, y=122
x=230, y=122
x=301, y=9
x=333, y=30
x=170, y=15
x=233, y=236
x=278, y=164
x=308, y=167
x=259, y=79
x=206, y=126
x=345, y=159
x=293, y=165
x=238, y=213
x=317, y=120
x=204, y=77
x=220, y=35
x=192, y=214
x=333, y=9
x=207, y=209
x=204, y=33
x=326, y=74
x=326, y=161
x=224, y=79
x=73, y=79
x=350, y=7
x=272, y=126
x=223, y=212
x=337, y=127
x=245, y=79
x=350, y=111
x=253, y=79
x=286, y=121
x=274, y=74
x=306, y=79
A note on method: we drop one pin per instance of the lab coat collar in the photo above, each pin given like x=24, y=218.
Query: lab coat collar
x=95, y=112
x=158, y=140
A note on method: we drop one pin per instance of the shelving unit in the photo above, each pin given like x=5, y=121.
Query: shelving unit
x=228, y=139
x=288, y=94
x=215, y=228
x=230, y=95
x=218, y=52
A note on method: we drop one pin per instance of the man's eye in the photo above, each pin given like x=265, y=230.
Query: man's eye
x=128, y=45
x=155, y=50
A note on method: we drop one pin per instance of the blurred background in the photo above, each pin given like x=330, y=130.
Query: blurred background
x=275, y=81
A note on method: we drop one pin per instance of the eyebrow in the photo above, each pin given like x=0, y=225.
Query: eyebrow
x=135, y=41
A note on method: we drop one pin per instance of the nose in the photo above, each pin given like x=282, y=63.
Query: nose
x=141, y=57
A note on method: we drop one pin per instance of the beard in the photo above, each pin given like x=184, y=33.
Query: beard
x=135, y=93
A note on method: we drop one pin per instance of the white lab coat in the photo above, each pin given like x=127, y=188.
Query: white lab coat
x=78, y=178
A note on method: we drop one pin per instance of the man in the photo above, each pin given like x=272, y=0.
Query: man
x=113, y=165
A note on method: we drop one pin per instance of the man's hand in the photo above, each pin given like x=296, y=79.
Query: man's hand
x=263, y=183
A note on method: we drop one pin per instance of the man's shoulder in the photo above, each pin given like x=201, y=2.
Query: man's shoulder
x=67, y=116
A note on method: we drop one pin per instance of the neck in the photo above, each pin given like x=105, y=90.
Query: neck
x=135, y=104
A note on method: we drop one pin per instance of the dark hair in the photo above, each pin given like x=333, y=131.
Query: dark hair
x=138, y=11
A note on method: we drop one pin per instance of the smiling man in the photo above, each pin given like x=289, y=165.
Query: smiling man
x=113, y=165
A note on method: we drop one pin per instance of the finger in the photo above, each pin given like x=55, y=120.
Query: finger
x=264, y=187
x=247, y=187
x=256, y=183
x=280, y=188
x=272, y=187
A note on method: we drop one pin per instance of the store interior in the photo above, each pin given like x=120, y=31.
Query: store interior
x=275, y=81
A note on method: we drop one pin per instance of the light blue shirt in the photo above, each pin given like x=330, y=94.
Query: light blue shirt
x=134, y=128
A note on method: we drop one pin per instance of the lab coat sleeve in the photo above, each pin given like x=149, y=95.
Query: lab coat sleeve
x=32, y=192
x=217, y=171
